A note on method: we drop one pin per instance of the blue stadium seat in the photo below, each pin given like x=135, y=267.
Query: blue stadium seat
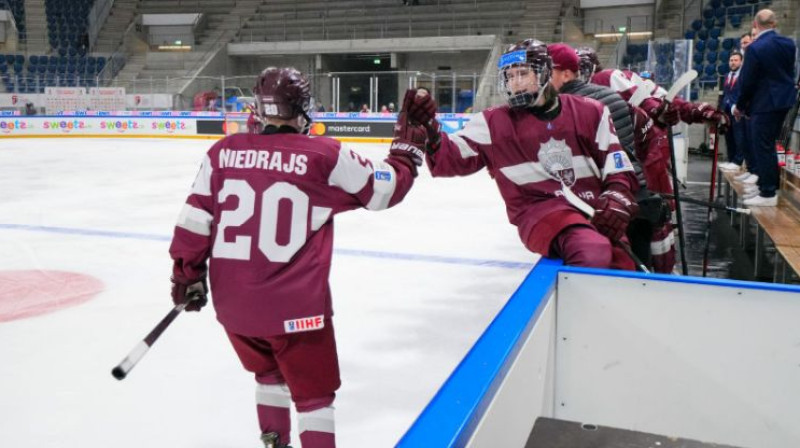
x=702, y=34
x=728, y=43
x=708, y=13
x=700, y=46
x=712, y=44
x=723, y=69
x=736, y=21
x=711, y=57
x=709, y=23
x=698, y=57
x=697, y=24
x=689, y=35
x=710, y=70
x=714, y=33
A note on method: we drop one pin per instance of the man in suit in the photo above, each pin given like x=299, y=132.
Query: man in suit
x=767, y=92
x=735, y=137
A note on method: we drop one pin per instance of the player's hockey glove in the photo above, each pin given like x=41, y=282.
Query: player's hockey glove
x=184, y=289
x=613, y=211
x=422, y=110
x=710, y=115
x=664, y=113
x=409, y=139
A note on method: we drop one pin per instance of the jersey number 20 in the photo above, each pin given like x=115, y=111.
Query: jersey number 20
x=239, y=248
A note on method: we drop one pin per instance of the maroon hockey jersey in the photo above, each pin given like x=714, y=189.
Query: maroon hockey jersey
x=530, y=159
x=261, y=211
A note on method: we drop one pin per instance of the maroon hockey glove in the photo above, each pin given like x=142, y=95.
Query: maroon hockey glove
x=422, y=110
x=183, y=289
x=667, y=114
x=409, y=139
x=613, y=211
x=712, y=116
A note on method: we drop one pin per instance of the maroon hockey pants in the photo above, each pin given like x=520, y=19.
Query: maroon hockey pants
x=582, y=245
x=305, y=362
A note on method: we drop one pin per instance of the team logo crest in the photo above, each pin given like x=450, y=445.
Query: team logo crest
x=556, y=158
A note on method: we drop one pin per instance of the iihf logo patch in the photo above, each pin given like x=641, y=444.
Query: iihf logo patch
x=304, y=324
x=618, y=162
x=383, y=175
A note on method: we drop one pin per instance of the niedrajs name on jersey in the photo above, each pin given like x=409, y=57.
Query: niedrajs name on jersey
x=265, y=160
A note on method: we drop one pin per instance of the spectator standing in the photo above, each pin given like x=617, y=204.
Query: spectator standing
x=736, y=136
x=767, y=92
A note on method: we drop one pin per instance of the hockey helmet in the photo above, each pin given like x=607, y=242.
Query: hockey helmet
x=531, y=54
x=283, y=93
x=589, y=63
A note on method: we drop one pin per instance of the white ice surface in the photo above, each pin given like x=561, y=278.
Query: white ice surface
x=402, y=325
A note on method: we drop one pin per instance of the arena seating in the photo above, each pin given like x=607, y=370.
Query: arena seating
x=39, y=71
x=17, y=8
x=716, y=35
x=67, y=22
x=288, y=20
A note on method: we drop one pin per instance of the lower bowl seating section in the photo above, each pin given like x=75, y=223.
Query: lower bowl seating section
x=33, y=74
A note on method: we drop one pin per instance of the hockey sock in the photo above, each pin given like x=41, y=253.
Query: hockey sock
x=317, y=429
x=272, y=405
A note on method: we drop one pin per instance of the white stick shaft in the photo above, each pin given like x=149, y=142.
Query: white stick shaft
x=133, y=357
x=579, y=203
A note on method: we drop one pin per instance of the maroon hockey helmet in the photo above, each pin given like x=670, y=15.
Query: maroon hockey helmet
x=283, y=93
x=531, y=53
x=588, y=62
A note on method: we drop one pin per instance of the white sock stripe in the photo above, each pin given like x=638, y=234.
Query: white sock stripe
x=320, y=420
x=275, y=395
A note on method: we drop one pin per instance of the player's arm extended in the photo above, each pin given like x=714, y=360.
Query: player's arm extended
x=372, y=185
x=460, y=154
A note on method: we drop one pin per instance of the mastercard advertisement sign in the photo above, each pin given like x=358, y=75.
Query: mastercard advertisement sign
x=357, y=130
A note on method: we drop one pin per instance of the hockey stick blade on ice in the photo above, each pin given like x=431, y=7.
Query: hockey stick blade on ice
x=121, y=370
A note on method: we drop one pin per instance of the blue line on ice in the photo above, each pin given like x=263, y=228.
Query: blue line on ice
x=346, y=252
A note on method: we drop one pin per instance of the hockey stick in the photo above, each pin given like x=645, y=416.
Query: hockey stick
x=680, y=84
x=712, y=205
x=587, y=209
x=123, y=368
x=707, y=238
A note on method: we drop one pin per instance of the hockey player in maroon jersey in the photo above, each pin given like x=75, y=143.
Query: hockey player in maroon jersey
x=261, y=214
x=536, y=148
x=631, y=87
x=650, y=232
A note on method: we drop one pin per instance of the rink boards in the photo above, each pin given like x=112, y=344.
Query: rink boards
x=705, y=359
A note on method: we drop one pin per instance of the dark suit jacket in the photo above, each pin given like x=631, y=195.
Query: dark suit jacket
x=730, y=92
x=767, y=77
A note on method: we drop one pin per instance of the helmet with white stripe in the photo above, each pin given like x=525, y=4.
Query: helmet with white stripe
x=524, y=70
